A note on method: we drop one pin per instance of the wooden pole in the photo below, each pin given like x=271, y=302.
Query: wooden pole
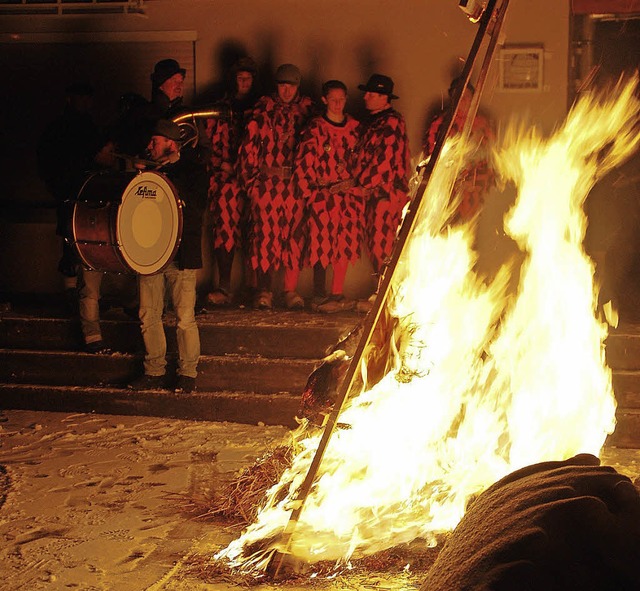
x=278, y=557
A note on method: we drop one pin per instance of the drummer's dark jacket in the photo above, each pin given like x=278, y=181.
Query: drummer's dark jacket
x=191, y=182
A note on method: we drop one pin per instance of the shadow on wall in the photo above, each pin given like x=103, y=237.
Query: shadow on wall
x=229, y=52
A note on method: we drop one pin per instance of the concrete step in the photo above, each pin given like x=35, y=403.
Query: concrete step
x=244, y=373
x=622, y=347
x=269, y=334
x=627, y=433
x=236, y=407
x=253, y=368
x=626, y=386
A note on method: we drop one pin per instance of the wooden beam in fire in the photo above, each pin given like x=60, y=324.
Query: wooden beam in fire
x=490, y=24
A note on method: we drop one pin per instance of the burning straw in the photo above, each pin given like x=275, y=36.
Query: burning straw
x=481, y=381
x=242, y=498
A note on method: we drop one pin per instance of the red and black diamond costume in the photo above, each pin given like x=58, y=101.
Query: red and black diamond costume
x=477, y=176
x=323, y=180
x=227, y=198
x=382, y=163
x=265, y=164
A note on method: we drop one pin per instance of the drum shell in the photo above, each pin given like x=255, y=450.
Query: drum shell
x=94, y=239
x=94, y=220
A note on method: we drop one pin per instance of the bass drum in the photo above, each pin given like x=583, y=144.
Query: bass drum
x=127, y=222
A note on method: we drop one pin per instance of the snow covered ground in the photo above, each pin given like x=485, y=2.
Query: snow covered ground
x=93, y=502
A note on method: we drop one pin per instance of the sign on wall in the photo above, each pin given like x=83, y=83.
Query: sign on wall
x=521, y=69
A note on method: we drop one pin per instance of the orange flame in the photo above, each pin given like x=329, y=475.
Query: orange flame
x=482, y=383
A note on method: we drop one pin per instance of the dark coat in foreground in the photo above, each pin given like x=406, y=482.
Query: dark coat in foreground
x=570, y=526
x=191, y=181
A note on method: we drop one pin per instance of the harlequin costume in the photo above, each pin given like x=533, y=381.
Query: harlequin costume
x=265, y=166
x=324, y=181
x=382, y=164
x=227, y=199
x=477, y=176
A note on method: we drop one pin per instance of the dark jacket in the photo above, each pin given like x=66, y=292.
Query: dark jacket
x=132, y=131
x=65, y=156
x=191, y=182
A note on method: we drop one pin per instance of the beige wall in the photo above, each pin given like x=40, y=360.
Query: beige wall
x=421, y=44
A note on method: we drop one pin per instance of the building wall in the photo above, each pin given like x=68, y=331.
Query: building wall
x=421, y=44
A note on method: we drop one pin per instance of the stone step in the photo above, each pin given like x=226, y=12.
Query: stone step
x=627, y=432
x=626, y=386
x=622, y=347
x=253, y=368
x=253, y=333
x=268, y=334
x=236, y=407
x=244, y=373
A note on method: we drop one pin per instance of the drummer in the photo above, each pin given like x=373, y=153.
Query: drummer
x=191, y=182
x=71, y=149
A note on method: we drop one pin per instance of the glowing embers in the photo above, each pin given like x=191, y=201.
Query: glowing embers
x=481, y=382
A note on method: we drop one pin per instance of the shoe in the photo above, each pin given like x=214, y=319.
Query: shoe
x=97, y=348
x=147, y=382
x=263, y=300
x=185, y=385
x=336, y=303
x=293, y=301
x=219, y=298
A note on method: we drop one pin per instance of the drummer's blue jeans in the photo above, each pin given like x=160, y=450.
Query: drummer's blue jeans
x=182, y=290
x=89, y=283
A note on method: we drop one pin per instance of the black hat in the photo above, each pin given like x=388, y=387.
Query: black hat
x=380, y=84
x=245, y=64
x=164, y=69
x=168, y=129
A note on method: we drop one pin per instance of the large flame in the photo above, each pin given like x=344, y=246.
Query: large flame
x=483, y=382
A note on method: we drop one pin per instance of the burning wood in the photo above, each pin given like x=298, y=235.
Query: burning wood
x=471, y=381
x=480, y=383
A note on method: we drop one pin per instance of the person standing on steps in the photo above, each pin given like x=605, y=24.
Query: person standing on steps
x=477, y=177
x=382, y=171
x=65, y=155
x=266, y=161
x=227, y=209
x=335, y=212
x=179, y=276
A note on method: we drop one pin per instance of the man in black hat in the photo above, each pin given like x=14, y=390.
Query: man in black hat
x=133, y=132
x=191, y=182
x=167, y=87
x=382, y=170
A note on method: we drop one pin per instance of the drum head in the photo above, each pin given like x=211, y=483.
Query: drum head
x=149, y=225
